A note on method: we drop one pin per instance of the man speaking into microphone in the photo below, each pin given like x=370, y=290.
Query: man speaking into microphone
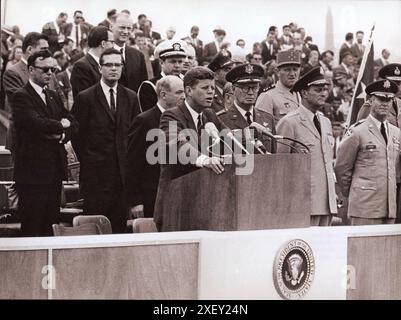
x=246, y=79
x=182, y=127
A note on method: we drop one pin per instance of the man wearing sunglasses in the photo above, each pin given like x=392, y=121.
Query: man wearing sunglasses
x=42, y=127
x=105, y=112
x=368, y=162
x=309, y=126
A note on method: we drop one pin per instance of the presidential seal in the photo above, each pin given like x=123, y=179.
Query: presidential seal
x=294, y=269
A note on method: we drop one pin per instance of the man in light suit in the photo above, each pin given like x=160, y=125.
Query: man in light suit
x=77, y=30
x=54, y=30
x=383, y=60
x=308, y=125
x=368, y=161
x=105, y=113
x=279, y=100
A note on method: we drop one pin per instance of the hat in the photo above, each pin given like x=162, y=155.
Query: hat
x=391, y=71
x=220, y=60
x=314, y=77
x=8, y=30
x=382, y=88
x=245, y=73
x=288, y=57
x=219, y=29
x=170, y=48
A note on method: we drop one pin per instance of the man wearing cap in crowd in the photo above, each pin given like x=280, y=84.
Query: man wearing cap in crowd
x=391, y=72
x=220, y=65
x=368, y=161
x=309, y=126
x=171, y=54
x=212, y=48
x=279, y=100
x=246, y=79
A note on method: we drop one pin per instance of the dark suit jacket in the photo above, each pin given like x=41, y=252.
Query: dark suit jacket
x=102, y=142
x=266, y=56
x=39, y=158
x=84, y=74
x=343, y=49
x=356, y=52
x=105, y=23
x=168, y=172
x=134, y=70
x=147, y=94
x=233, y=119
x=67, y=29
x=64, y=82
x=142, y=178
x=50, y=31
x=209, y=51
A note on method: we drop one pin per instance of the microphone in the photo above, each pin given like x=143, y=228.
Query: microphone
x=264, y=130
x=212, y=131
x=256, y=143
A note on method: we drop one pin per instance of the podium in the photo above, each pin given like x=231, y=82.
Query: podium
x=275, y=195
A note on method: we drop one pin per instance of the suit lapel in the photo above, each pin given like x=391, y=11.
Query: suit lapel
x=237, y=118
x=103, y=101
x=307, y=123
x=39, y=102
x=93, y=63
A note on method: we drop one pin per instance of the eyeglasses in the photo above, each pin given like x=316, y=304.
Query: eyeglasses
x=245, y=89
x=111, y=65
x=46, y=69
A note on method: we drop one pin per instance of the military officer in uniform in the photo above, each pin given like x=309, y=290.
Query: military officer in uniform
x=172, y=55
x=220, y=65
x=279, y=100
x=391, y=72
x=309, y=126
x=245, y=79
x=368, y=161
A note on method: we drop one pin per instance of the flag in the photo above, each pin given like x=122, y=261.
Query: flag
x=365, y=76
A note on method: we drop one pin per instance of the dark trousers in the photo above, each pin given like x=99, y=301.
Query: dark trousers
x=108, y=201
x=39, y=208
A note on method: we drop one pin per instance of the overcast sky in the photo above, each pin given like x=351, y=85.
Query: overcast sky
x=247, y=19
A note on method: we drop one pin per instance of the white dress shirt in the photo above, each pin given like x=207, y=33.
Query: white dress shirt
x=160, y=108
x=118, y=48
x=379, y=124
x=195, y=115
x=106, y=91
x=39, y=90
x=243, y=112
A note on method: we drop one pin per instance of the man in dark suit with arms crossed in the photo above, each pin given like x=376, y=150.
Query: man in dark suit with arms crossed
x=42, y=127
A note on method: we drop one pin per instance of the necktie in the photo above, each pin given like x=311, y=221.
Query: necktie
x=383, y=132
x=77, y=35
x=122, y=54
x=112, y=102
x=44, y=91
x=199, y=124
x=248, y=117
x=317, y=124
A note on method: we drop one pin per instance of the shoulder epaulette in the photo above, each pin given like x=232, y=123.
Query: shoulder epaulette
x=358, y=123
x=269, y=88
